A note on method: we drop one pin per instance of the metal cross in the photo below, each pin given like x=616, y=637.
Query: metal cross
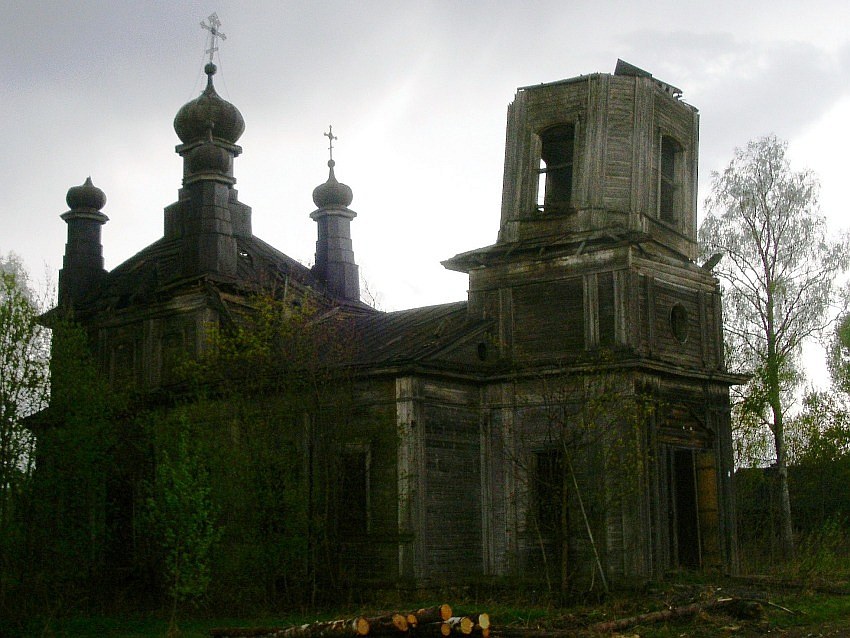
x=331, y=137
x=212, y=27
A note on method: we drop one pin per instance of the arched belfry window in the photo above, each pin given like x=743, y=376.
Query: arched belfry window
x=555, y=182
x=669, y=179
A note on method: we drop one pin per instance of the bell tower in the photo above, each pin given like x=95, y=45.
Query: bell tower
x=601, y=153
x=593, y=276
x=597, y=236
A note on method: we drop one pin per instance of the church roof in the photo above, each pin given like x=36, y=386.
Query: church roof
x=417, y=335
x=154, y=274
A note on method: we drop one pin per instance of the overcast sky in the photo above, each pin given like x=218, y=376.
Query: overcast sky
x=416, y=92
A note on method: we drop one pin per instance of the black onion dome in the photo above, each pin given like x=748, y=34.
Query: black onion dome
x=332, y=193
x=209, y=110
x=87, y=196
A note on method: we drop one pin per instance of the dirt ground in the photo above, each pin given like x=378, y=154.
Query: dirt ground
x=767, y=608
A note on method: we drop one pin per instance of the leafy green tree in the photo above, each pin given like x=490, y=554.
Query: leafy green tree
x=82, y=453
x=24, y=364
x=182, y=518
x=778, y=275
x=593, y=461
x=275, y=399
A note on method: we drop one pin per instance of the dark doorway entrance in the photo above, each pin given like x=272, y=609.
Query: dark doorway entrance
x=683, y=509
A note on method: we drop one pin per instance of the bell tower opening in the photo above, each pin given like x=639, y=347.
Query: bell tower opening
x=555, y=181
x=669, y=179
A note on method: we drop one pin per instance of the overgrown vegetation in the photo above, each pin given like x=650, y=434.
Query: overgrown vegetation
x=24, y=358
x=586, y=456
x=207, y=497
x=779, y=274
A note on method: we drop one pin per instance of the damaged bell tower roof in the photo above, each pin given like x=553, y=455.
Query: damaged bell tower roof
x=624, y=68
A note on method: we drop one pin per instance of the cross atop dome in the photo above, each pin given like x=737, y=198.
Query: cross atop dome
x=213, y=28
x=331, y=137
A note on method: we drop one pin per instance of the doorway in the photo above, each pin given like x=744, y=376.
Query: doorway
x=683, y=509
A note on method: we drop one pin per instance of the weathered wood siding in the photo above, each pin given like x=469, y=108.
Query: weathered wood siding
x=619, y=144
x=548, y=319
x=452, y=529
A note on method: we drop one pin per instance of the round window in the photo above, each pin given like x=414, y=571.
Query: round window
x=679, y=322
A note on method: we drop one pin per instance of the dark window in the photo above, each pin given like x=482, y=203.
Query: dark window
x=124, y=365
x=679, y=322
x=555, y=183
x=354, y=492
x=607, y=329
x=173, y=352
x=549, y=490
x=671, y=153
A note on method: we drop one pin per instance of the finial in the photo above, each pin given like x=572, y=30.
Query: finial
x=213, y=27
x=331, y=137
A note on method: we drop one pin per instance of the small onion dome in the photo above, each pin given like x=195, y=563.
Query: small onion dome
x=332, y=193
x=209, y=111
x=208, y=157
x=88, y=196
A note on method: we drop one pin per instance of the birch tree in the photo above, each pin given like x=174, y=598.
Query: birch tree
x=778, y=276
x=24, y=356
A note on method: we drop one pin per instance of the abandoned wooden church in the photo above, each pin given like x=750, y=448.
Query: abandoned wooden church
x=571, y=417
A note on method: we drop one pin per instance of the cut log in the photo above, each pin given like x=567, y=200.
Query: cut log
x=349, y=628
x=482, y=621
x=243, y=632
x=387, y=624
x=461, y=625
x=736, y=606
x=440, y=613
x=429, y=623
x=431, y=630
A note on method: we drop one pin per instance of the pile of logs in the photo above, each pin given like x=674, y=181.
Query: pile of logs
x=434, y=622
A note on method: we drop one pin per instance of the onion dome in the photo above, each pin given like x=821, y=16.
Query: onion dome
x=209, y=111
x=85, y=197
x=332, y=194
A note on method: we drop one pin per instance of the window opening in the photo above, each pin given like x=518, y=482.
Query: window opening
x=555, y=181
x=549, y=491
x=354, y=491
x=679, y=322
x=671, y=153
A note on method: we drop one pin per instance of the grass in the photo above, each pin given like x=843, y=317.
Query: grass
x=813, y=614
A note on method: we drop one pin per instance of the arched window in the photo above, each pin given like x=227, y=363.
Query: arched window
x=669, y=179
x=555, y=183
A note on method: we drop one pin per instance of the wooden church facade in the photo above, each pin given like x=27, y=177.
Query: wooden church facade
x=569, y=419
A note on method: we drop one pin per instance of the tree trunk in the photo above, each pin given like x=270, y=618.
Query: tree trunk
x=786, y=532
